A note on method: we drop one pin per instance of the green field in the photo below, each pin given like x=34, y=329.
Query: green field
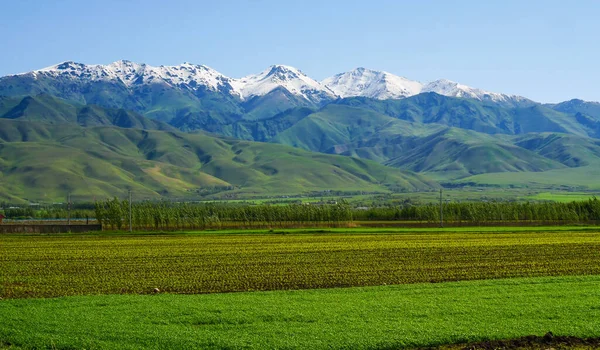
x=404, y=288
x=386, y=317
x=466, y=194
x=561, y=197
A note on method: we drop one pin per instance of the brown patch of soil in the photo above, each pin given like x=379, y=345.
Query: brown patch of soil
x=547, y=342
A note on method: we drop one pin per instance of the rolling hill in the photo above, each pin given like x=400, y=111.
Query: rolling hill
x=446, y=153
x=443, y=153
x=471, y=114
x=44, y=162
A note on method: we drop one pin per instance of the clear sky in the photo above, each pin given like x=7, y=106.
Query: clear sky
x=545, y=50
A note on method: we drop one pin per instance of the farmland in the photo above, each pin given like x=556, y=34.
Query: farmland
x=327, y=288
x=53, y=266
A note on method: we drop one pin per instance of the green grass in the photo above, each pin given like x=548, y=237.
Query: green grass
x=561, y=197
x=385, y=317
x=466, y=194
x=53, y=266
x=581, y=178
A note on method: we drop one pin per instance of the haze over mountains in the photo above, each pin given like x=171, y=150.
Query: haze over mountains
x=443, y=130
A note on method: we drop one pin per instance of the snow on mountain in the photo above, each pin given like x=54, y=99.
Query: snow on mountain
x=193, y=77
x=290, y=78
x=372, y=84
x=454, y=89
x=358, y=82
x=384, y=85
x=131, y=73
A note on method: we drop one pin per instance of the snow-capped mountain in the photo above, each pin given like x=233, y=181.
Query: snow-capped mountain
x=383, y=85
x=193, y=77
x=131, y=74
x=289, y=78
x=454, y=89
x=358, y=82
x=372, y=84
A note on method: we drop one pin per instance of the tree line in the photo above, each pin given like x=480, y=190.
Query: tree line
x=163, y=215
x=481, y=212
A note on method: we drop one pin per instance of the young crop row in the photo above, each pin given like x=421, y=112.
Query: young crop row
x=50, y=266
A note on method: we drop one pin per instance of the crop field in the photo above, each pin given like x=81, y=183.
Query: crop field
x=64, y=265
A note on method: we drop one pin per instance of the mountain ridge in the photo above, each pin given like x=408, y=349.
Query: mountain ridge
x=193, y=75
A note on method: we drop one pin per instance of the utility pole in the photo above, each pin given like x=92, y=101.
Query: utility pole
x=441, y=210
x=130, y=220
x=69, y=209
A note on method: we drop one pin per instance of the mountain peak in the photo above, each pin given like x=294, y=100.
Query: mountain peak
x=290, y=78
x=283, y=68
x=66, y=65
x=453, y=89
x=282, y=72
x=373, y=84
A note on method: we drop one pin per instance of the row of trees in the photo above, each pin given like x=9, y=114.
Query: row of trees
x=163, y=215
x=114, y=214
x=49, y=213
x=479, y=212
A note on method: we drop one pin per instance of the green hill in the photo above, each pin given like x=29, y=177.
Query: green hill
x=44, y=162
x=446, y=153
x=575, y=106
x=568, y=179
x=448, y=139
x=52, y=110
x=475, y=115
x=260, y=130
x=354, y=131
x=570, y=150
x=457, y=153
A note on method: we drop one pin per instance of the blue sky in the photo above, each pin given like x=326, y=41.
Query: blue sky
x=544, y=50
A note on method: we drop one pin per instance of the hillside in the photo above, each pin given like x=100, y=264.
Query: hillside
x=48, y=109
x=441, y=152
x=456, y=153
x=570, y=150
x=471, y=114
x=447, y=153
x=43, y=162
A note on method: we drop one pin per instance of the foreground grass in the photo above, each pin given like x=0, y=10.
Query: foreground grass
x=386, y=317
x=53, y=266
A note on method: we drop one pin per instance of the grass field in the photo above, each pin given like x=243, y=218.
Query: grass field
x=467, y=194
x=576, y=178
x=385, y=317
x=562, y=197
